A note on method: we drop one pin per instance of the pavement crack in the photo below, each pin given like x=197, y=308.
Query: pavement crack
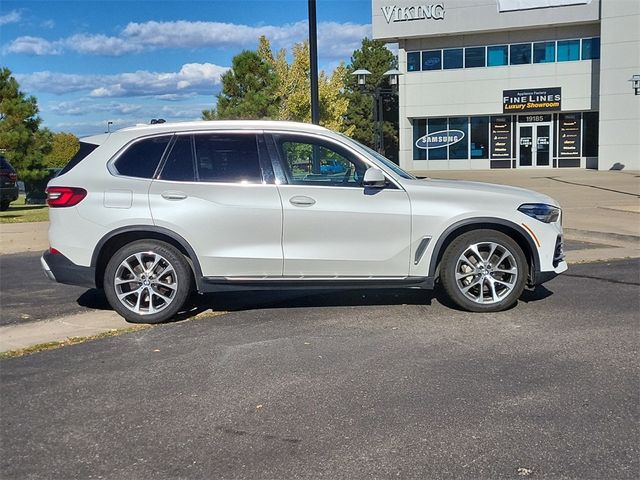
x=593, y=186
x=608, y=280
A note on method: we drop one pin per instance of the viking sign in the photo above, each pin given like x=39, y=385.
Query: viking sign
x=439, y=139
x=394, y=13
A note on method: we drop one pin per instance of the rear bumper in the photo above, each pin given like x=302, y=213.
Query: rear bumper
x=9, y=193
x=60, y=269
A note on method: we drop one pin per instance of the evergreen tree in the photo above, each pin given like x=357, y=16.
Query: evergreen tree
x=22, y=141
x=375, y=57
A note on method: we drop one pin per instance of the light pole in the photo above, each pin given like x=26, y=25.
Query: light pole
x=378, y=94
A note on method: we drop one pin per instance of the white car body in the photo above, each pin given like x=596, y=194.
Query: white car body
x=274, y=232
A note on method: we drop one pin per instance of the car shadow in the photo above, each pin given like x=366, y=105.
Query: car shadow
x=272, y=299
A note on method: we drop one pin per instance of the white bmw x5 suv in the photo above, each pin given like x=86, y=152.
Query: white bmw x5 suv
x=152, y=213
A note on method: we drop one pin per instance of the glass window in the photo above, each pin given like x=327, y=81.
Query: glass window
x=419, y=131
x=544, y=52
x=479, y=137
x=568, y=50
x=179, y=164
x=520, y=54
x=437, y=125
x=453, y=58
x=590, y=134
x=413, y=61
x=230, y=158
x=474, y=57
x=497, y=55
x=141, y=159
x=432, y=60
x=590, y=48
x=314, y=162
x=460, y=149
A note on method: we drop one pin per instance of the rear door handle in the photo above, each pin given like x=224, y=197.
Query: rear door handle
x=302, y=201
x=173, y=195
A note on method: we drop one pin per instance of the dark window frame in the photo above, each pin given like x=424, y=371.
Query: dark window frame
x=111, y=164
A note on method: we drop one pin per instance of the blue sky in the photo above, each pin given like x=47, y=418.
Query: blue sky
x=89, y=62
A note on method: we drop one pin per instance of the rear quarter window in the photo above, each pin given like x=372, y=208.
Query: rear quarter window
x=141, y=158
x=83, y=152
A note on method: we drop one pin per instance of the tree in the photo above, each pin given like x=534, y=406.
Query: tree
x=22, y=141
x=248, y=89
x=63, y=147
x=375, y=57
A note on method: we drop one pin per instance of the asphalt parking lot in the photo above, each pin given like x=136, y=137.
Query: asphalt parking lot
x=364, y=384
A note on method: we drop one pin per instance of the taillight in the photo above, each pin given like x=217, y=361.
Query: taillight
x=11, y=176
x=65, y=196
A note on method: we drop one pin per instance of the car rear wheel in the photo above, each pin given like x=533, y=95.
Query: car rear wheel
x=147, y=281
x=484, y=271
x=4, y=205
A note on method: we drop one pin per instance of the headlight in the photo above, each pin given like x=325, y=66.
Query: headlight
x=540, y=211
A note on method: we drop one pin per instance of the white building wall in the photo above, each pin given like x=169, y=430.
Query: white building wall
x=619, y=135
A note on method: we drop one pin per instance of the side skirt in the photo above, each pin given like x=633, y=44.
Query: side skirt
x=227, y=284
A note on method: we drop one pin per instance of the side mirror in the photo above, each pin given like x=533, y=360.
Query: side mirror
x=374, y=178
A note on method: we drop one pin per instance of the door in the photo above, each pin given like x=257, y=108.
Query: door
x=212, y=191
x=534, y=145
x=332, y=225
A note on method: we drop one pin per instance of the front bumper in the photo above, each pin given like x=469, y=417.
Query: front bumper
x=60, y=269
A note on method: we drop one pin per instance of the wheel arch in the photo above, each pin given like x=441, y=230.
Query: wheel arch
x=516, y=232
x=113, y=241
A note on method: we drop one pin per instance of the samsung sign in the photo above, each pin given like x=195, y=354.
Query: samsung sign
x=440, y=139
x=394, y=13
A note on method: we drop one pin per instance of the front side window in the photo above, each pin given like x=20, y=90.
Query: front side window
x=310, y=161
x=520, y=54
x=227, y=157
x=142, y=157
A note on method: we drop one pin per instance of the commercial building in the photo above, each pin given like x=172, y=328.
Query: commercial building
x=515, y=83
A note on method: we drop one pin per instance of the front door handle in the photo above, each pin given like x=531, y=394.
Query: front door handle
x=173, y=195
x=302, y=201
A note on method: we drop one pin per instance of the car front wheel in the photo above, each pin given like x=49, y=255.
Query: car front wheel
x=147, y=281
x=484, y=271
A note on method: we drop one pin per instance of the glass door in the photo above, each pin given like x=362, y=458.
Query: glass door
x=534, y=145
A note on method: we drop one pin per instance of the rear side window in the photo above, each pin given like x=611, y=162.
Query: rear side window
x=229, y=158
x=142, y=158
x=83, y=152
x=4, y=165
x=179, y=165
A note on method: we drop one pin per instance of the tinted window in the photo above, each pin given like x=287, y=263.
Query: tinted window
x=479, y=137
x=460, y=149
x=544, y=52
x=520, y=54
x=568, y=50
x=314, y=162
x=413, y=61
x=453, y=58
x=474, y=57
x=432, y=60
x=590, y=134
x=84, y=151
x=4, y=165
x=141, y=159
x=179, y=164
x=230, y=158
x=591, y=48
x=497, y=55
x=437, y=125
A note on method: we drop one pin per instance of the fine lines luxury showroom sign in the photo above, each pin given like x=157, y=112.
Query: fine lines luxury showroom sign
x=532, y=100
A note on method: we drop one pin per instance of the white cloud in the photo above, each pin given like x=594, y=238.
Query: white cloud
x=335, y=39
x=34, y=46
x=48, y=24
x=13, y=16
x=192, y=78
x=82, y=106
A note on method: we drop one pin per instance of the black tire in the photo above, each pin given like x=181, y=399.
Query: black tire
x=158, y=294
x=484, y=286
x=4, y=205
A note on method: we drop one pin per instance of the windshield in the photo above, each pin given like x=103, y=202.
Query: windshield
x=381, y=158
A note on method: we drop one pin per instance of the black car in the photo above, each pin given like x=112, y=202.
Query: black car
x=8, y=185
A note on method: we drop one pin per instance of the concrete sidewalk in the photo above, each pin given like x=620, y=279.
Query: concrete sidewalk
x=601, y=214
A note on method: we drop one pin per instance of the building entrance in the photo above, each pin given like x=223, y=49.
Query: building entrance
x=534, y=144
